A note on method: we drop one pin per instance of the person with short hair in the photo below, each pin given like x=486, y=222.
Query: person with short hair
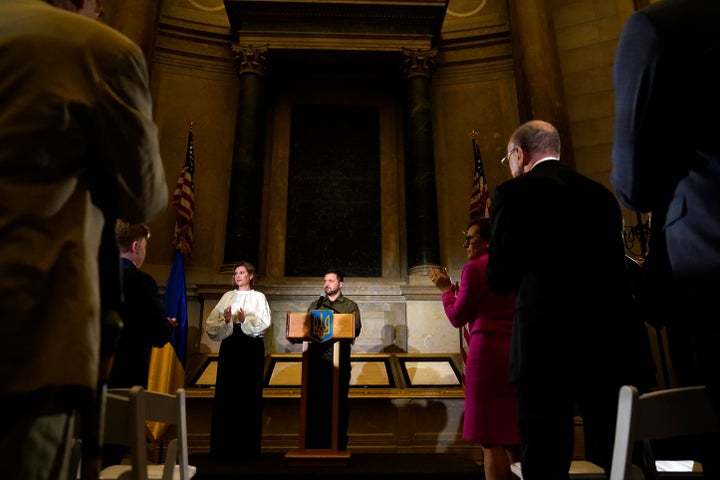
x=145, y=324
x=78, y=149
x=557, y=243
x=490, y=417
x=320, y=370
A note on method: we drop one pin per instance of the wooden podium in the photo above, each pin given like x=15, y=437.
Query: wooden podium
x=319, y=326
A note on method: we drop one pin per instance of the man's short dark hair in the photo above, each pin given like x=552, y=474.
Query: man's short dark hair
x=338, y=274
x=127, y=233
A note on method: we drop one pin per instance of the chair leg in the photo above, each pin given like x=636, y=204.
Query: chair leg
x=75, y=459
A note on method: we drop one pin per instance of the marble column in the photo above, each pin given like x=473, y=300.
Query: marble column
x=246, y=179
x=423, y=249
x=538, y=76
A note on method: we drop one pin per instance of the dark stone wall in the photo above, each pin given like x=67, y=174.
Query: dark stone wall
x=334, y=191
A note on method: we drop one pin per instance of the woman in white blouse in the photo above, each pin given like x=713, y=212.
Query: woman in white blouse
x=239, y=321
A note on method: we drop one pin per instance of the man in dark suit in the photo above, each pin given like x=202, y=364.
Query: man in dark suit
x=666, y=160
x=78, y=146
x=145, y=324
x=557, y=242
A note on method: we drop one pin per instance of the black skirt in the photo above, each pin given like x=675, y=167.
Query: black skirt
x=236, y=425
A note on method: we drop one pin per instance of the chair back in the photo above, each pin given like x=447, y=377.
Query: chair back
x=125, y=425
x=162, y=407
x=675, y=412
x=127, y=412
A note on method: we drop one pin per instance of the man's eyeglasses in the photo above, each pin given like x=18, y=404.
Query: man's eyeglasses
x=504, y=160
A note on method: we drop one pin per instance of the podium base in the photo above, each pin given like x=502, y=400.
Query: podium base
x=317, y=458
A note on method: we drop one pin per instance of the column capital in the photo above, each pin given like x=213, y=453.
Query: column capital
x=250, y=59
x=419, y=62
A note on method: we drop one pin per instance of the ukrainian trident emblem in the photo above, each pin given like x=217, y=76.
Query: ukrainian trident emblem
x=321, y=325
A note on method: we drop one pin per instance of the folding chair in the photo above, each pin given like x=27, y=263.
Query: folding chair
x=126, y=412
x=675, y=412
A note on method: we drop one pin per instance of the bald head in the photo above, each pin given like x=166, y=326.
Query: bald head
x=538, y=138
x=530, y=142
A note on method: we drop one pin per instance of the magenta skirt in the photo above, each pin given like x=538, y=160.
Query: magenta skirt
x=490, y=403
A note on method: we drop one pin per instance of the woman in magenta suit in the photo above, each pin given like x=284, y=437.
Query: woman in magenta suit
x=490, y=404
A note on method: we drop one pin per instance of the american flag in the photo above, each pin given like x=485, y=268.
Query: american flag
x=480, y=196
x=184, y=200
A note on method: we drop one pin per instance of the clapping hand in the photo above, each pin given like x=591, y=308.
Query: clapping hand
x=441, y=279
x=239, y=316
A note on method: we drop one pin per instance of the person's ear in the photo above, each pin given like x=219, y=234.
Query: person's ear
x=522, y=160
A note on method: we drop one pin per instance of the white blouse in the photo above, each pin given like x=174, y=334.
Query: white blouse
x=257, y=315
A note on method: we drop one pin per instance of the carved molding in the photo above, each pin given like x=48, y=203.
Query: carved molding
x=419, y=62
x=250, y=59
x=380, y=25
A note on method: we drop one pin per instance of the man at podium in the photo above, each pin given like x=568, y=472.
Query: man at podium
x=320, y=371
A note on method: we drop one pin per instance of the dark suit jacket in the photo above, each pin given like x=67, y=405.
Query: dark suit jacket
x=145, y=326
x=557, y=242
x=666, y=153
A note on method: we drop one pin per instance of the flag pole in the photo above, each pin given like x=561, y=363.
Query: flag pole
x=167, y=364
x=479, y=207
